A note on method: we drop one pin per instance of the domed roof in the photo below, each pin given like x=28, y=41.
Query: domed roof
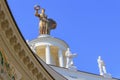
x=49, y=40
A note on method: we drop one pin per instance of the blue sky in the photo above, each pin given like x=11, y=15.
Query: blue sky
x=90, y=27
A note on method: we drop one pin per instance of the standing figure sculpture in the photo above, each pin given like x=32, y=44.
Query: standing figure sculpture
x=45, y=24
x=101, y=66
x=69, y=58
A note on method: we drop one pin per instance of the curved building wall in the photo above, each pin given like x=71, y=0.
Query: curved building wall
x=19, y=62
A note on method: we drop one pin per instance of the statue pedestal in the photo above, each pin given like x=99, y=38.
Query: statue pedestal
x=74, y=68
x=106, y=75
x=43, y=35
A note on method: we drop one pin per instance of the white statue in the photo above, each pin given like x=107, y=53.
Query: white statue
x=69, y=58
x=101, y=66
x=32, y=47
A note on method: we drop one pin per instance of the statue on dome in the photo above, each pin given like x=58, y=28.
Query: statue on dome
x=101, y=66
x=69, y=58
x=45, y=24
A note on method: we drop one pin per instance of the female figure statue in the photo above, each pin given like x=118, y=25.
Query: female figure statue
x=45, y=24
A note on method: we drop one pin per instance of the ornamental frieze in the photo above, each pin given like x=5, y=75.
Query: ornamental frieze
x=7, y=70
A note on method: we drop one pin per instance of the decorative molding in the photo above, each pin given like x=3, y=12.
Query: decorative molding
x=7, y=70
x=48, y=40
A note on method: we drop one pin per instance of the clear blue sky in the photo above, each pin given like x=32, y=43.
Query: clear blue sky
x=90, y=27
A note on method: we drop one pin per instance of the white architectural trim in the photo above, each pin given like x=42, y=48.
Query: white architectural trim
x=48, y=40
x=60, y=56
x=48, y=55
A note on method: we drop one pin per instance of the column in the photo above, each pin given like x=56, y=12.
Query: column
x=48, y=55
x=60, y=56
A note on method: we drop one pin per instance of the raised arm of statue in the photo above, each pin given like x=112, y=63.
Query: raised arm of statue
x=37, y=8
x=37, y=14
